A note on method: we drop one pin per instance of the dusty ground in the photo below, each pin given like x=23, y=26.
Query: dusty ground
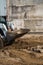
x=19, y=54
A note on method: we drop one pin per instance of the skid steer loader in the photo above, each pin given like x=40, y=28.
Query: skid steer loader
x=7, y=37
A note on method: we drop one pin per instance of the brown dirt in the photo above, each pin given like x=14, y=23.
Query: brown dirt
x=19, y=52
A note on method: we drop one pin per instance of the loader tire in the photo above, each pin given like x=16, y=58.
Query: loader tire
x=1, y=43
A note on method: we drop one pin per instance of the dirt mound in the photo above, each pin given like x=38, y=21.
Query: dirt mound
x=19, y=52
x=29, y=41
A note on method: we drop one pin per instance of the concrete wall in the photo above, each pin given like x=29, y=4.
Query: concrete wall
x=22, y=7
x=25, y=2
x=21, y=2
x=34, y=26
x=34, y=19
x=31, y=11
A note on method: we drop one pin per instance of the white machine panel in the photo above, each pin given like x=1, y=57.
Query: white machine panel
x=2, y=7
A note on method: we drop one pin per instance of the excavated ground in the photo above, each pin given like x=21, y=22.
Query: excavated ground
x=19, y=52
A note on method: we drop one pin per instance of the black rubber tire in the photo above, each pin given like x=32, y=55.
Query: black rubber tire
x=1, y=43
